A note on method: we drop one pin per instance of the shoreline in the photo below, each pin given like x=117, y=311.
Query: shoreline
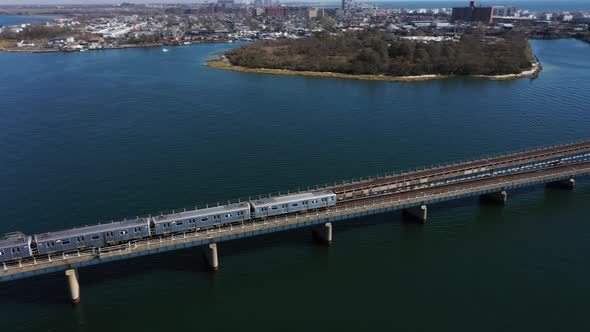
x=223, y=63
x=52, y=50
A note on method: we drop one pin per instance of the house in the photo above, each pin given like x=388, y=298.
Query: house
x=61, y=40
x=25, y=43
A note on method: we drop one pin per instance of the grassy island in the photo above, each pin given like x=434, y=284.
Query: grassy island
x=373, y=55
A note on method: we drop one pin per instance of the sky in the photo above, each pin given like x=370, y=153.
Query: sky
x=49, y=2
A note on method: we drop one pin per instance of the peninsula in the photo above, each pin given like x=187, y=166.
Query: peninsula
x=375, y=55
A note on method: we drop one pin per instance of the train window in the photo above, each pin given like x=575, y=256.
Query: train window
x=1, y=253
x=95, y=237
x=204, y=219
x=123, y=232
x=179, y=223
x=295, y=204
x=228, y=215
x=274, y=207
x=314, y=201
x=65, y=241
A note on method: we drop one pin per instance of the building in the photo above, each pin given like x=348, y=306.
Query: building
x=61, y=40
x=225, y=3
x=25, y=43
x=348, y=5
x=473, y=13
x=504, y=11
x=312, y=13
x=276, y=11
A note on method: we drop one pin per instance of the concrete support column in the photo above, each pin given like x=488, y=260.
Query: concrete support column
x=323, y=233
x=569, y=184
x=211, y=256
x=74, y=286
x=418, y=213
x=499, y=197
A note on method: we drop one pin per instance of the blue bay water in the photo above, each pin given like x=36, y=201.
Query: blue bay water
x=96, y=136
x=8, y=20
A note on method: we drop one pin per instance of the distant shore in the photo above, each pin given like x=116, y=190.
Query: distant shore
x=223, y=63
x=54, y=50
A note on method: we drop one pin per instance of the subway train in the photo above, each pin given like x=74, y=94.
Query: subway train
x=18, y=246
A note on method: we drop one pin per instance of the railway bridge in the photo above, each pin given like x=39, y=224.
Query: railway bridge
x=413, y=192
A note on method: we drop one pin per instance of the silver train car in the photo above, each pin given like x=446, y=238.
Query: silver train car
x=273, y=206
x=201, y=219
x=15, y=248
x=102, y=235
x=92, y=236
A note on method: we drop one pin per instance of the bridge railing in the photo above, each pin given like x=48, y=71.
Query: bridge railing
x=374, y=203
x=359, y=180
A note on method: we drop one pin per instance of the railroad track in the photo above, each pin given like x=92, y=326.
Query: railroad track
x=414, y=179
x=386, y=200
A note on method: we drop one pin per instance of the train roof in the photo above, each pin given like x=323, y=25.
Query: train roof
x=292, y=198
x=202, y=212
x=92, y=229
x=11, y=242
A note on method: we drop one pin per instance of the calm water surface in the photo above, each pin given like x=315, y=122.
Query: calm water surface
x=8, y=20
x=96, y=136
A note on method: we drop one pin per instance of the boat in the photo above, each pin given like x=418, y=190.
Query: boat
x=164, y=50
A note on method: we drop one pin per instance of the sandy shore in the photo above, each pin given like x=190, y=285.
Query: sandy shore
x=223, y=63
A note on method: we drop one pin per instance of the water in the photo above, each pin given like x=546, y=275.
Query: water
x=531, y=5
x=8, y=20
x=95, y=136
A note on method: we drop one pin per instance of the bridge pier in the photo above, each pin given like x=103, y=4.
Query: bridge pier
x=323, y=233
x=211, y=257
x=569, y=184
x=73, y=285
x=499, y=197
x=418, y=213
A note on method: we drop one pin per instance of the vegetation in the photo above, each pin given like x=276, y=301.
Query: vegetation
x=371, y=53
x=35, y=32
x=141, y=40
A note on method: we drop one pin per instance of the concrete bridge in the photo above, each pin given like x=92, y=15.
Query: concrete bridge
x=413, y=192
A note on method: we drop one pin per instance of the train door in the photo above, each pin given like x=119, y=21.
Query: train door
x=109, y=237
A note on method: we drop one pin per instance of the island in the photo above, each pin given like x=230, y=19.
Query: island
x=375, y=55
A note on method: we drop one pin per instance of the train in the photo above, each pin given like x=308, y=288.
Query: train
x=19, y=246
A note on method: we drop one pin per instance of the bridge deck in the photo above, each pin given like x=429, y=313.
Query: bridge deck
x=344, y=210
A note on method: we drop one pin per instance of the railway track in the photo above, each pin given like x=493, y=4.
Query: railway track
x=438, y=174
x=417, y=196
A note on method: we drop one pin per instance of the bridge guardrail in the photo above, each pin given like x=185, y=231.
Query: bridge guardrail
x=373, y=202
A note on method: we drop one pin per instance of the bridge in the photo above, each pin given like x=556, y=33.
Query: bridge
x=413, y=192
